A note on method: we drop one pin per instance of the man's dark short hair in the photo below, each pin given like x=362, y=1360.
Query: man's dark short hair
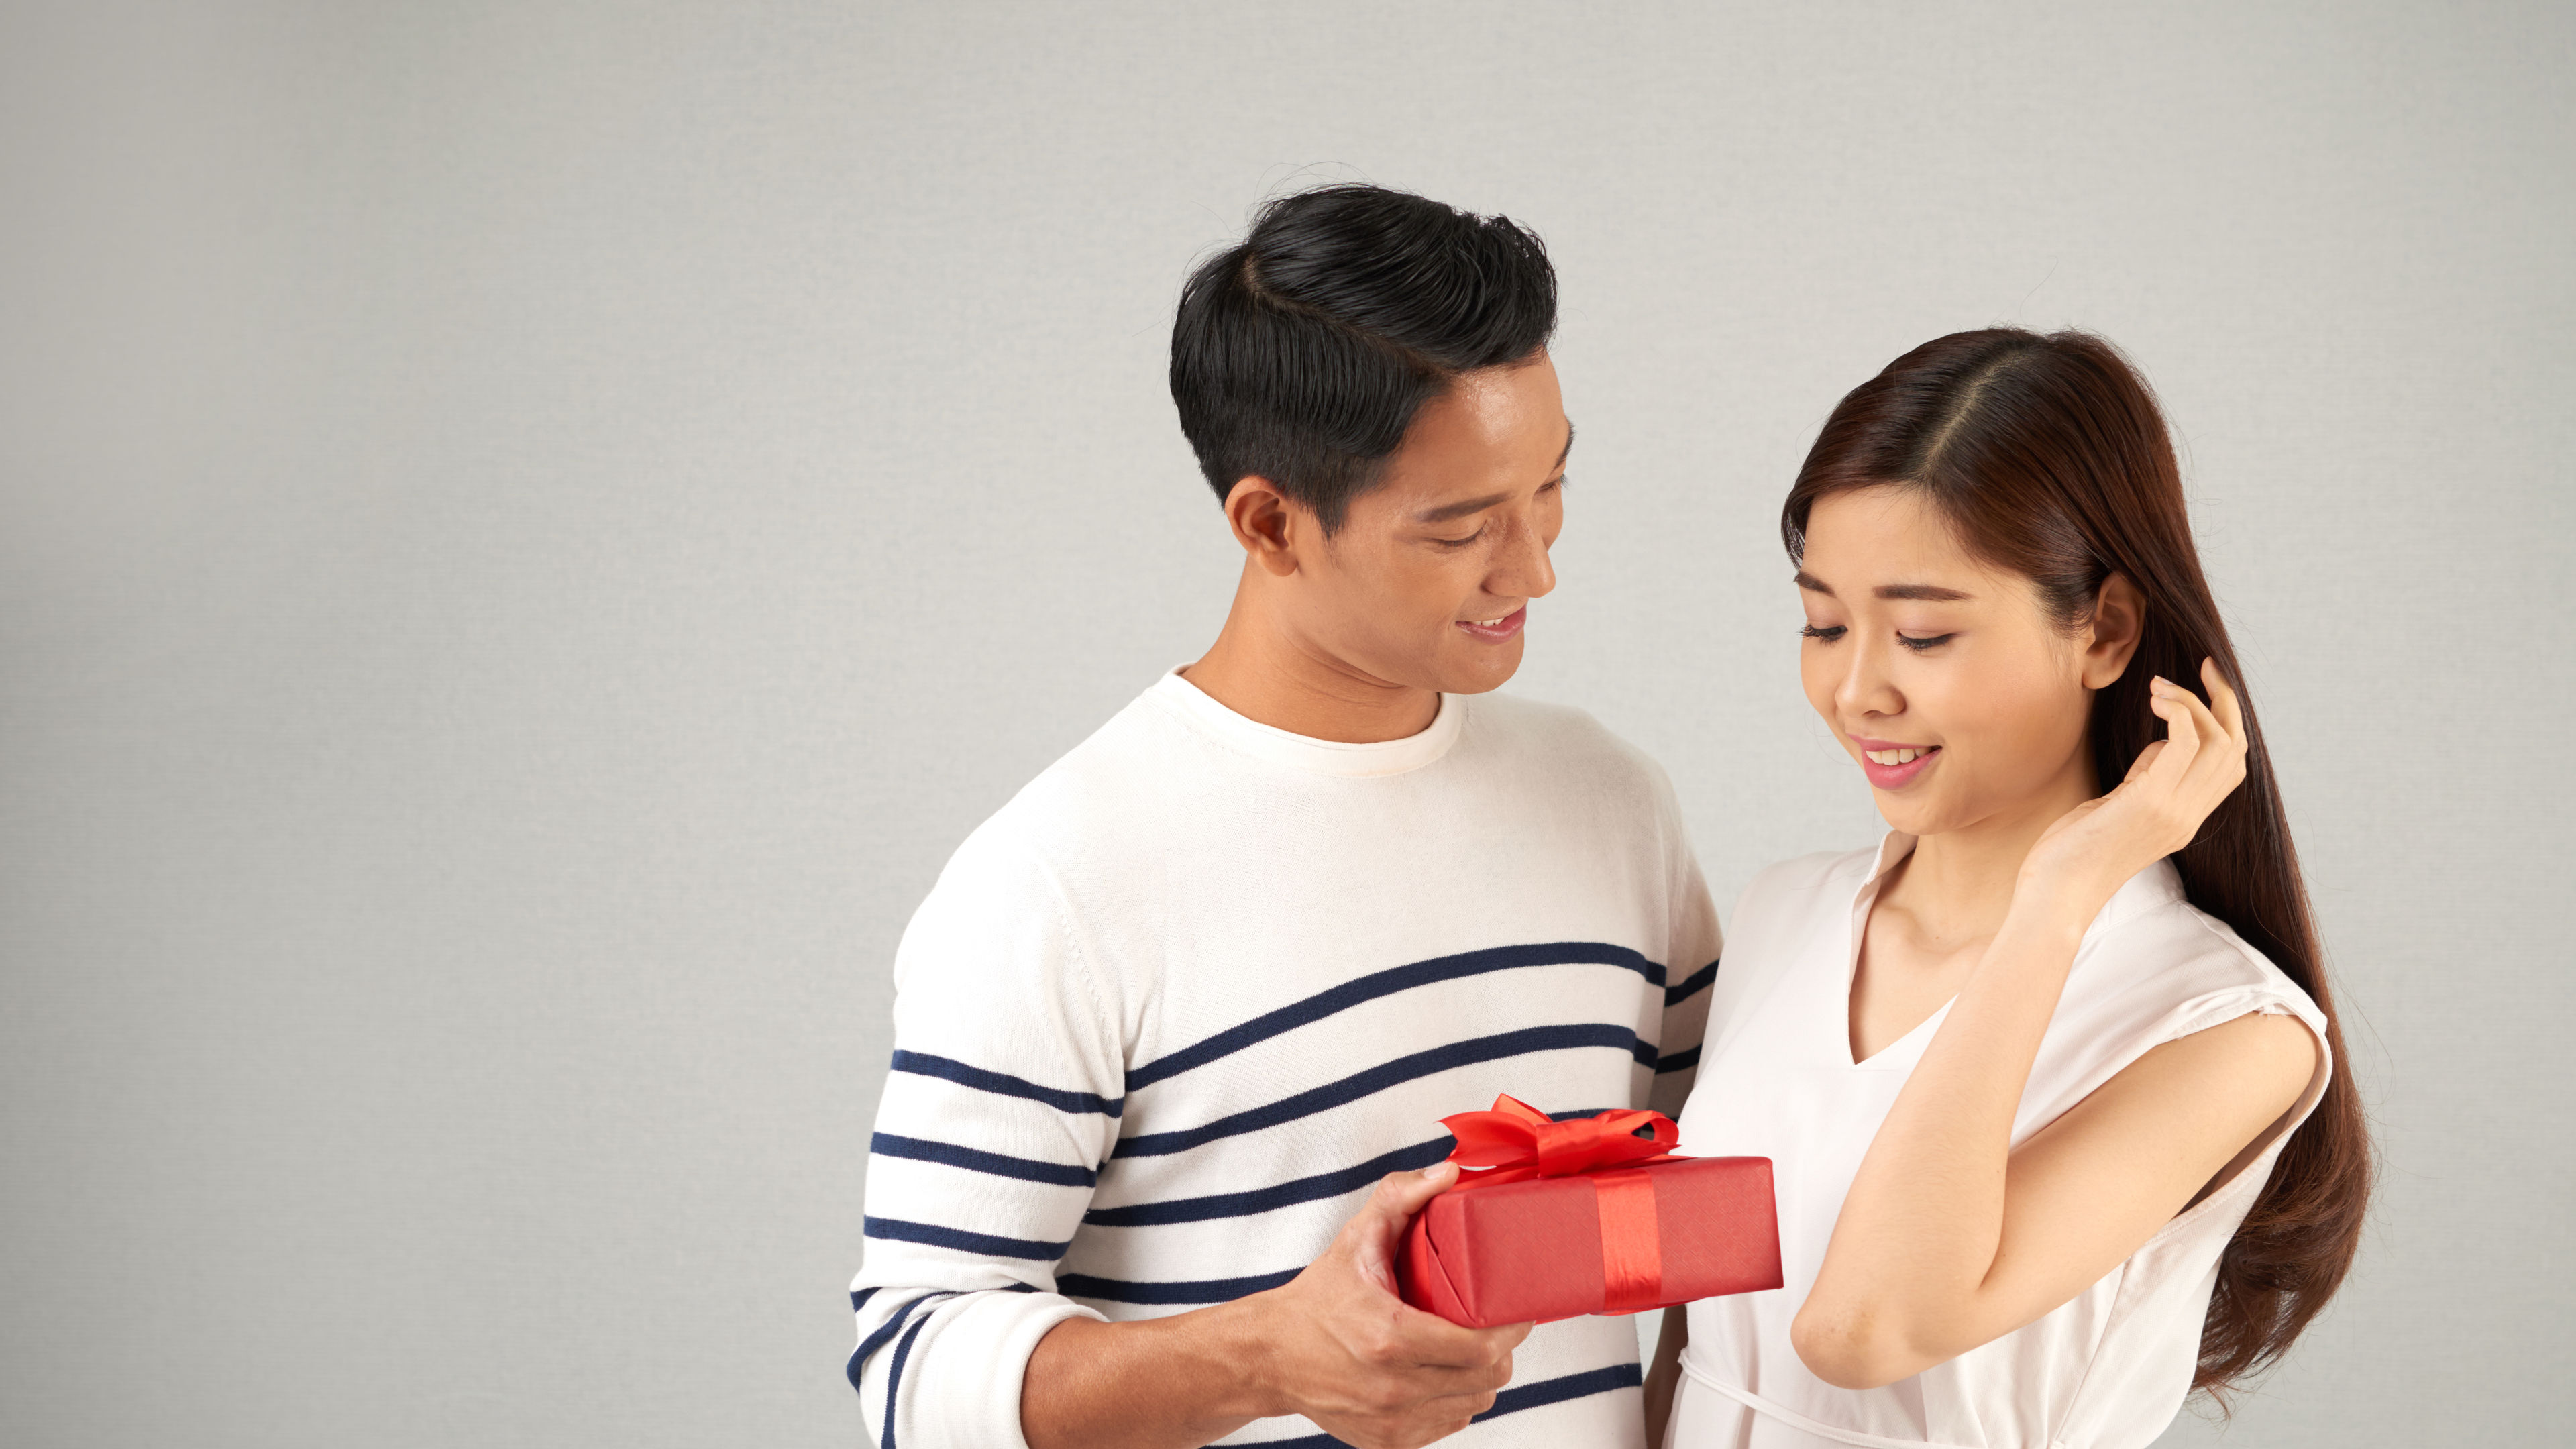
x=1302, y=355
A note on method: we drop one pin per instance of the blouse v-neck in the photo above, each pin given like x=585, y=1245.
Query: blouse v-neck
x=1900, y=1053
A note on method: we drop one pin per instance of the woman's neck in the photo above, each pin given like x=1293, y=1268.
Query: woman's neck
x=1958, y=884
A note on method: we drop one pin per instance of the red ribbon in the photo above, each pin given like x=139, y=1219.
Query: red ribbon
x=1515, y=1142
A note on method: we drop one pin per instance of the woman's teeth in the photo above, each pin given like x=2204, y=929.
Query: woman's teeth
x=1897, y=757
x=1489, y=623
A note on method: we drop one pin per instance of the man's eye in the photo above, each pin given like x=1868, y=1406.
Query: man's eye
x=1459, y=542
x=1926, y=642
x=1825, y=634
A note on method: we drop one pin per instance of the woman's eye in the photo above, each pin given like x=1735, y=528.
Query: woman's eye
x=1825, y=634
x=1918, y=645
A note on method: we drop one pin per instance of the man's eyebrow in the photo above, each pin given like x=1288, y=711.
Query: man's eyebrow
x=1448, y=511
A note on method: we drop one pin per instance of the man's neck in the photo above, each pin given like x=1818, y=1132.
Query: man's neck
x=1261, y=669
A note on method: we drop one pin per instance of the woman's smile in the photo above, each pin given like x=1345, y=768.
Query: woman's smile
x=1892, y=766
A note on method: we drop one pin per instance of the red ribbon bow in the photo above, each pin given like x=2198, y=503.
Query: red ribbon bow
x=1515, y=1142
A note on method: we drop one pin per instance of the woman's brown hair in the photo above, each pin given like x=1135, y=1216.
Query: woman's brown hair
x=2049, y=457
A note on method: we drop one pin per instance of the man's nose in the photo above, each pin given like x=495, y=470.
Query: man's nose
x=1523, y=570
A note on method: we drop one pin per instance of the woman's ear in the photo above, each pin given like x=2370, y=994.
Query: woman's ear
x=2119, y=618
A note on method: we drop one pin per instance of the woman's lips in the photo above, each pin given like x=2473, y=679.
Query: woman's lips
x=1894, y=777
x=1495, y=631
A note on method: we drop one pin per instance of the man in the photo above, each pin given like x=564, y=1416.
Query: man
x=1200, y=992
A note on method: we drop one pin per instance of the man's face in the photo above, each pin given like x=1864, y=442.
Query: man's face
x=1429, y=579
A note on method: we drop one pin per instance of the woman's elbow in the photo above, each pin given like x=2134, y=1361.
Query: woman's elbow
x=1850, y=1350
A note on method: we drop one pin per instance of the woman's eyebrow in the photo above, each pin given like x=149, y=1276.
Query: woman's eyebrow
x=1929, y=593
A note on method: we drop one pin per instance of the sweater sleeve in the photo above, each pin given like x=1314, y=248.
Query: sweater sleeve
x=1001, y=1104
x=1691, y=967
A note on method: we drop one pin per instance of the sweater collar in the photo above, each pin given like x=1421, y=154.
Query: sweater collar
x=1321, y=757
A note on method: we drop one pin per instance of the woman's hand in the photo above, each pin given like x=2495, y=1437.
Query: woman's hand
x=2157, y=809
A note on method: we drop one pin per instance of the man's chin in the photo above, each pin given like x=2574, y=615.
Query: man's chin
x=1488, y=667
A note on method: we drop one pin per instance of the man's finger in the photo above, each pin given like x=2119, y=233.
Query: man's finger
x=1402, y=1194
x=1430, y=1340
x=1368, y=1240
x=1399, y=1195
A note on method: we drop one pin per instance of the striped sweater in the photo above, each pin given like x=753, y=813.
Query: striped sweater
x=1171, y=1012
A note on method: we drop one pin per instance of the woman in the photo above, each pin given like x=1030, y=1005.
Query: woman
x=2050, y=1078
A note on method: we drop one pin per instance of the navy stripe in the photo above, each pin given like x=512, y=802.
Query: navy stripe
x=1698, y=982
x=1379, y=1078
x=1679, y=1061
x=893, y=1324
x=1286, y=1194
x=1510, y=1401
x=894, y=1378
x=1209, y=1290
x=1289, y=1194
x=1644, y=1052
x=1557, y=1391
x=1386, y=983
x=1027, y=1170
x=923, y=1064
x=981, y=1244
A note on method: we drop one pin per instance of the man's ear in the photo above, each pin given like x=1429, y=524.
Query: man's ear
x=1269, y=527
x=2119, y=619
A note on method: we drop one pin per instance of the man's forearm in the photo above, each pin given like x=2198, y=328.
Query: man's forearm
x=1162, y=1383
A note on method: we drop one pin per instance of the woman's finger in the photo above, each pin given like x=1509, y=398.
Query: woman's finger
x=2145, y=761
x=2182, y=734
x=2223, y=702
x=2221, y=764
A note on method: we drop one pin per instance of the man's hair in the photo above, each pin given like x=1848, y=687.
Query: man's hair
x=1302, y=355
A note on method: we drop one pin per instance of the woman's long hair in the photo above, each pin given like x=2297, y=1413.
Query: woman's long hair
x=2050, y=459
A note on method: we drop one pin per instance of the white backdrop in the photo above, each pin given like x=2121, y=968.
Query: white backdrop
x=532, y=529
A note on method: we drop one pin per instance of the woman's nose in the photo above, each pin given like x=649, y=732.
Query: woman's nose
x=1865, y=687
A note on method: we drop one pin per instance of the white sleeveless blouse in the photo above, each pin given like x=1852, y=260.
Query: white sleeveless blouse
x=2105, y=1371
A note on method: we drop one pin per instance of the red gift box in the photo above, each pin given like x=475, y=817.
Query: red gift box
x=1591, y=1215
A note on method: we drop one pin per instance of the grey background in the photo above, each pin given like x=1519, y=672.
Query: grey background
x=532, y=529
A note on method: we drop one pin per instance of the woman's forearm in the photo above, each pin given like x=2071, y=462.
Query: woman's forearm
x=1921, y=1227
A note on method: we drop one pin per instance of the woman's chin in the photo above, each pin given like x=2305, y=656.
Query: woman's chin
x=1911, y=816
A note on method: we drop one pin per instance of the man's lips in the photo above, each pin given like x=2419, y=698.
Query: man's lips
x=1892, y=765
x=1495, y=631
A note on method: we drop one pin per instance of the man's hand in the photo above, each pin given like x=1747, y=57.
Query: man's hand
x=1334, y=1344
x=1340, y=1348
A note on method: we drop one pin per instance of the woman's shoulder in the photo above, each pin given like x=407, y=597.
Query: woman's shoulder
x=1803, y=882
x=2155, y=951
x=1786, y=904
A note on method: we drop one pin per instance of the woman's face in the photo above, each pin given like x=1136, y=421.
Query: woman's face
x=1945, y=679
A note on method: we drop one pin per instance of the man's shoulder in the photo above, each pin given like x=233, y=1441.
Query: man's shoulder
x=1574, y=746
x=1109, y=782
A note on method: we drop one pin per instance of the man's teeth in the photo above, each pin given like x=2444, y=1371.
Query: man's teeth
x=1898, y=757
